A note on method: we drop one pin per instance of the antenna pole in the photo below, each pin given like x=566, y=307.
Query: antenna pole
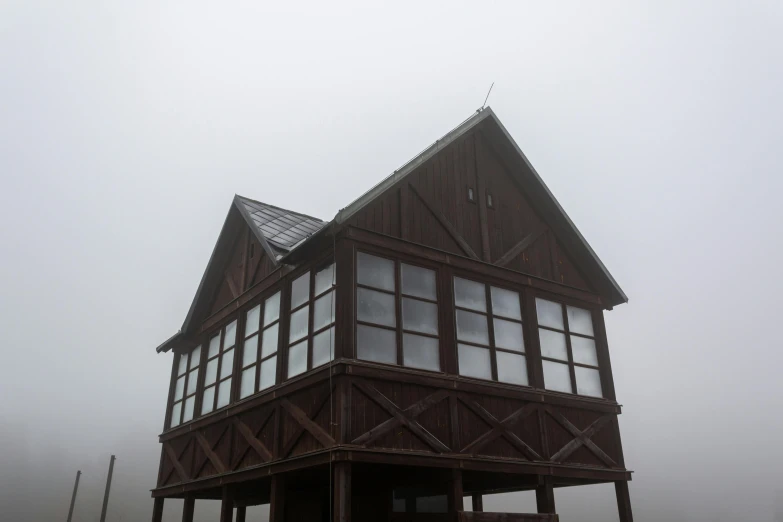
x=108, y=487
x=73, y=497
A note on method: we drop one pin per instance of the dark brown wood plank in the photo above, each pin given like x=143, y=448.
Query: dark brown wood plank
x=226, y=505
x=623, y=501
x=307, y=423
x=157, y=509
x=582, y=438
x=342, y=492
x=211, y=455
x=520, y=247
x=183, y=475
x=501, y=429
x=187, y=508
x=545, y=496
x=251, y=439
x=277, y=499
x=455, y=235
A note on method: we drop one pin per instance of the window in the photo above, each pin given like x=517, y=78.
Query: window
x=381, y=297
x=489, y=200
x=259, y=349
x=311, y=325
x=220, y=369
x=490, y=341
x=185, y=387
x=471, y=197
x=568, y=351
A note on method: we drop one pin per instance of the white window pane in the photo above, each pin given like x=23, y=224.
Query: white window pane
x=272, y=309
x=375, y=271
x=252, y=320
x=505, y=303
x=419, y=316
x=509, y=335
x=375, y=307
x=192, y=381
x=208, y=400
x=250, y=351
x=183, y=364
x=268, y=373
x=549, y=313
x=187, y=413
x=195, y=357
x=175, y=412
x=512, y=368
x=224, y=393
x=324, y=279
x=179, y=390
x=300, y=290
x=227, y=364
x=376, y=344
x=553, y=344
x=472, y=327
x=418, y=281
x=231, y=335
x=323, y=347
x=557, y=377
x=269, y=341
x=211, y=374
x=248, y=383
x=214, y=346
x=474, y=362
x=297, y=359
x=420, y=352
x=470, y=294
x=298, y=324
x=323, y=314
x=583, y=350
x=588, y=382
x=580, y=320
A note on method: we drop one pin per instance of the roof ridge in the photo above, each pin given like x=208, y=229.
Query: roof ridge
x=278, y=208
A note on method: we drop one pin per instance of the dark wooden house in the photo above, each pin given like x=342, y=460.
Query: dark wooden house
x=442, y=336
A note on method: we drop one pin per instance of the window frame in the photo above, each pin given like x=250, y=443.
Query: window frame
x=185, y=396
x=221, y=331
x=242, y=326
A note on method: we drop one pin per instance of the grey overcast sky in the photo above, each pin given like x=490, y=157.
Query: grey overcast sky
x=127, y=127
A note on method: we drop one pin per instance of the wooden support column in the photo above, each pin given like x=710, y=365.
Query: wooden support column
x=623, y=501
x=241, y=510
x=277, y=499
x=455, y=493
x=157, y=509
x=545, y=496
x=227, y=505
x=342, y=492
x=187, y=509
x=477, y=501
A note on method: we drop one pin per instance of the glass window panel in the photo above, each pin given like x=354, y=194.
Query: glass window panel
x=224, y=393
x=583, y=350
x=376, y=344
x=195, y=357
x=323, y=347
x=298, y=324
x=474, y=362
x=470, y=294
x=208, y=400
x=324, y=311
x=250, y=351
x=227, y=366
x=508, y=335
x=192, y=381
x=375, y=271
x=557, y=377
x=324, y=279
x=297, y=359
x=248, y=383
x=268, y=373
x=179, y=390
x=214, y=346
x=505, y=303
x=553, y=344
x=375, y=307
x=579, y=320
x=512, y=368
x=398, y=505
x=419, y=316
x=420, y=352
x=272, y=309
x=300, y=290
x=472, y=327
x=549, y=313
x=251, y=320
x=418, y=281
x=231, y=335
x=269, y=341
x=432, y=504
x=175, y=412
x=588, y=382
x=211, y=374
x=187, y=413
x=183, y=364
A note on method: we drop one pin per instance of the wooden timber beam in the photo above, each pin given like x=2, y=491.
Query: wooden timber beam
x=520, y=247
x=445, y=223
x=501, y=429
x=581, y=438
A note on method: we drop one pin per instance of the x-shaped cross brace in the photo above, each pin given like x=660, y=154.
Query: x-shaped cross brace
x=183, y=475
x=209, y=451
x=251, y=437
x=500, y=429
x=306, y=423
x=581, y=438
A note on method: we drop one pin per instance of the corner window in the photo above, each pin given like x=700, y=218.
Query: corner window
x=385, y=290
x=311, y=325
x=490, y=339
x=185, y=387
x=220, y=369
x=259, y=349
x=568, y=349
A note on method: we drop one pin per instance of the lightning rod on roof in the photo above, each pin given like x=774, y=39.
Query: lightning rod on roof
x=485, y=99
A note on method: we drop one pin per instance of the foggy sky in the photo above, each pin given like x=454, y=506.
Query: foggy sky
x=126, y=129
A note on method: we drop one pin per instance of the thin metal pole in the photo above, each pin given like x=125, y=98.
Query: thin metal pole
x=73, y=497
x=108, y=487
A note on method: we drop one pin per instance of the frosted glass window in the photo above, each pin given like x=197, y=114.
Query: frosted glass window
x=324, y=279
x=420, y=352
x=179, y=391
x=474, y=361
x=508, y=335
x=472, y=327
x=419, y=316
x=268, y=373
x=251, y=320
x=192, y=380
x=300, y=290
x=214, y=346
x=183, y=364
x=375, y=307
x=224, y=393
x=297, y=359
x=187, y=413
x=250, y=351
x=248, y=383
x=417, y=281
x=505, y=303
x=549, y=313
x=323, y=347
x=231, y=335
x=553, y=344
x=470, y=294
x=557, y=377
x=583, y=350
x=375, y=271
x=512, y=368
x=269, y=341
x=298, y=323
x=272, y=309
x=376, y=344
x=580, y=320
x=588, y=381
x=208, y=400
x=211, y=374
x=324, y=311
x=175, y=413
x=227, y=365
x=195, y=357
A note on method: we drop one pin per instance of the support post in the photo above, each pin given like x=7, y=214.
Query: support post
x=241, y=511
x=342, y=492
x=157, y=509
x=108, y=487
x=623, y=501
x=227, y=505
x=73, y=497
x=478, y=502
x=187, y=509
x=545, y=496
x=455, y=493
x=277, y=499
